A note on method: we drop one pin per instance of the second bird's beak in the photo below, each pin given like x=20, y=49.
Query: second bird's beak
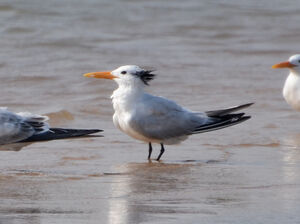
x=285, y=64
x=100, y=75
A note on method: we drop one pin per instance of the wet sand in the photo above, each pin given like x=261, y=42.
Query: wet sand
x=208, y=56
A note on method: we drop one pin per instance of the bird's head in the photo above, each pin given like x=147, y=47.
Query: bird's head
x=293, y=64
x=125, y=75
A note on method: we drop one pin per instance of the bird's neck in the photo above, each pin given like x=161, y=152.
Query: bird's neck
x=126, y=96
x=295, y=71
x=291, y=83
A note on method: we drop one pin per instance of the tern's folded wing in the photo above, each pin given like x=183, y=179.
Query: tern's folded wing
x=160, y=118
x=17, y=127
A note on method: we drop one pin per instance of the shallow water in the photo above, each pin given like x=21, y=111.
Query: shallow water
x=208, y=55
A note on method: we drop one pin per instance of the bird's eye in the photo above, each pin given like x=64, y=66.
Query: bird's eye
x=123, y=72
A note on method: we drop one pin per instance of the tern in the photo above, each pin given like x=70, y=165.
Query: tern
x=27, y=127
x=155, y=119
x=291, y=89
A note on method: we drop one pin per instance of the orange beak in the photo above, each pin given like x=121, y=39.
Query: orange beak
x=285, y=64
x=100, y=75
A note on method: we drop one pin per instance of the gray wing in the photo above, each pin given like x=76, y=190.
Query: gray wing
x=15, y=127
x=160, y=118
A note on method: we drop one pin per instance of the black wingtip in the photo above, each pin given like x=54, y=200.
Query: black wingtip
x=247, y=105
x=246, y=117
x=62, y=133
x=223, y=112
x=229, y=120
x=83, y=131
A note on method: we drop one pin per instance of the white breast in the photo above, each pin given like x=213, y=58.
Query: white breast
x=124, y=104
x=291, y=91
x=121, y=121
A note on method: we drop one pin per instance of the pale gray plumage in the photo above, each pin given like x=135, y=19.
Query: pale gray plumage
x=158, y=118
x=27, y=127
x=15, y=127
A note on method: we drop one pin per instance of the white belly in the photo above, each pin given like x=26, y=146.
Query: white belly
x=291, y=91
x=122, y=122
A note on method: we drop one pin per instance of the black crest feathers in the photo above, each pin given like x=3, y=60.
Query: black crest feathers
x=145, y=75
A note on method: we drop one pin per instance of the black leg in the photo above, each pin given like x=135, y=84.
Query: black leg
x=162, y=150
x=150, y=150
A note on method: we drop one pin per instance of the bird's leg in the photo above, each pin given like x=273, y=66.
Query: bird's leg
x=162, y=150
x=150, y=150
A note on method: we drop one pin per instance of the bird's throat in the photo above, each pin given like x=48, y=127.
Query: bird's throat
x=125, y=98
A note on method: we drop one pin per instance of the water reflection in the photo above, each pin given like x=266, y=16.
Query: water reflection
x=147, y=188
x=290, y=171
x=293, y=140
x=10, y=194
x=14, y=147
x=34, y=197
x=291, y=157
